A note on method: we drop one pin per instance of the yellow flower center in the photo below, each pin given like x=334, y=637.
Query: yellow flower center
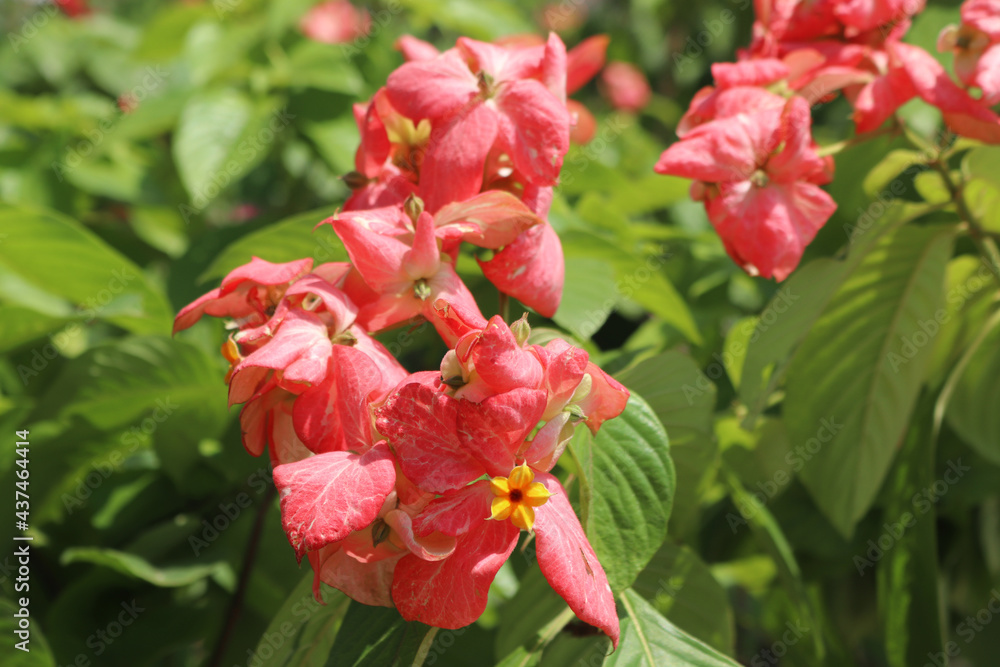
x=517, y=496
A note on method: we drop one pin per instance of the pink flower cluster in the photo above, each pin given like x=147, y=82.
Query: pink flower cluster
x=411, y=490
x=747, y=140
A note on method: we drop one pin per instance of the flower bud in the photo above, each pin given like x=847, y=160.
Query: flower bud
x=413, y=206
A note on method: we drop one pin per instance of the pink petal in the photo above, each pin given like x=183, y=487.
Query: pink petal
x=584, y=61
x=368, y=583
x=501, y=362
x=421, y=426
x=494, y=430
x=300, y=349
x=456, y=320
x=606, y=400
x=503, y=63
x=765, y=230
x=326, y=497
x=492, y=219
x=452, y=169
x=378, y=257
x=452, y=593
x=625, y=86
x=447, y=75
x=415, y=49
x=530, y=269
x=569, y=563
x=554, y=67
x=729, y=149
x=333, y=415
x=536, y=125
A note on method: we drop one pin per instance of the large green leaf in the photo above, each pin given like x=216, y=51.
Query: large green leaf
x=222, y=135
x=132, y=378
x=853, y=383
x=972, y=408
x=303, y=631
x=637, y=278
x=683, y=399
x=649, y=640
x=795, y=307
x=628, y=484
x=908, y=574
x=81, y=276
x=681, y=587
x=285, y=241
x=379, y=637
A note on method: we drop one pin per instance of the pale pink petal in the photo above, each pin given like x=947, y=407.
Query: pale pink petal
x=530, y=269
x=447, y=75
x=569, y=563
x=421, y=427
x=326, y=497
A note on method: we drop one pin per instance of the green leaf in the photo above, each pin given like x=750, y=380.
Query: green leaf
x=221, y=135
x=290, y=239
x=140, y=568
x=589, y=296
x=61, y=258
x=637, y=277
x=683, y=399
x=303, y=631
x=135, y=376
x=630, y=480
x=908, y=574
x=972, y=410
x=883, y=176
x=792, y=312
x=649, y=640
x=853, y=383
x=38, y=653
x=379, y=637
x=734, y=349
x=983, y=162
x=324, y=66
x=681, y=587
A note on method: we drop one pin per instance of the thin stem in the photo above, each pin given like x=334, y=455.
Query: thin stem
x=984, y=242
x=835, y=148
x=236, y=603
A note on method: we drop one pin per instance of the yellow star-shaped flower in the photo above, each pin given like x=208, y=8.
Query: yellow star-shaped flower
x=517, y=496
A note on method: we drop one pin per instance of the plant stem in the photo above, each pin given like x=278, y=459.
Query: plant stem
x=236, y=603
x=984, y=242
x=505, y=307
x=835, y=148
